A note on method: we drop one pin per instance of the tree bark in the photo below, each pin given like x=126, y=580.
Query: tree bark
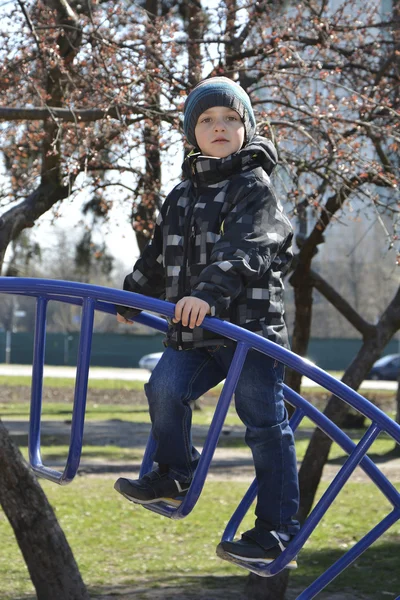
x=24, y=215
x=303, y=298
x=345, y=309
x=144, y=212
x=318, y=449
x=302, y=282
x=398, y=402
x=396, y=449
x=85, y=115
x=271, y=588
x=194, y=20
x=49, y=558
x=375, y=339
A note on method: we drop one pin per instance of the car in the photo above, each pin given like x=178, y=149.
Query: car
x=387, y=367
x=149, y=361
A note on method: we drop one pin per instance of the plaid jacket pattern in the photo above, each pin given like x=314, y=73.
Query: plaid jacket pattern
x=221, y=236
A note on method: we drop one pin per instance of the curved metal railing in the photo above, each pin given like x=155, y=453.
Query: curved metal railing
x=93, y=298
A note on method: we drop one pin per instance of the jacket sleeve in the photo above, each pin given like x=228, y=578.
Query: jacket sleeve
x=254, y=232
x=148, y=276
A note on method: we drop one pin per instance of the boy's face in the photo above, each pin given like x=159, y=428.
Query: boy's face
x=219, y=132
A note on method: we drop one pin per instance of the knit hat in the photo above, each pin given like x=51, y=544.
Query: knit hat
x=217, y=91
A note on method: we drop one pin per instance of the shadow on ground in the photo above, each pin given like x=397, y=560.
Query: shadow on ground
x=375, y=457
x=374, y=575
x=358, y=582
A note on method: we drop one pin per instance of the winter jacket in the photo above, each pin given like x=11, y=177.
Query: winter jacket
x=221, y=236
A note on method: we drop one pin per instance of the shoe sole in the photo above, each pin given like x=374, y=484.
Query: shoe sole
x=173, y=501
x=266, y=561
x=247, y=562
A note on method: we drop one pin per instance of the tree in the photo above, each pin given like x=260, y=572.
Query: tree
x=375, y=337
x=24, y=258
x=49, y=559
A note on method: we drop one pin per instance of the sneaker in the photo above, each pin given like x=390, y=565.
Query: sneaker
x=152, y=487
x=249, y=550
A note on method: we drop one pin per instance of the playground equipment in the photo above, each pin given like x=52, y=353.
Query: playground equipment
x=93, y=298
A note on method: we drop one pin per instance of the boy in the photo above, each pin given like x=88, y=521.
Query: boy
x=221, y=247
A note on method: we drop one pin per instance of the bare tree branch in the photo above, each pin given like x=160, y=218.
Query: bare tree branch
x=340, y=304
x=86, y=115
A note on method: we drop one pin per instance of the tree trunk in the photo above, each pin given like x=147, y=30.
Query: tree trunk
x=396, y=449
x=301, y=280
x=144, y=212
x=303, y=295
x=396, y=103
x=49, y=558
x=194, y=24
x=318, y=449
x=271, y=588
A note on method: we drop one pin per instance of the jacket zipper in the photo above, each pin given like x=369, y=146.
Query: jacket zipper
x=186, y=241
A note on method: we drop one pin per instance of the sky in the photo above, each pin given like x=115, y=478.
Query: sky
x=118, y=233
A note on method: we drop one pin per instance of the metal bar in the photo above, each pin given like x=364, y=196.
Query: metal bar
x=81, y=385
x=247, y=500
x=240, y=512
x=211, y=441
x=312, y=521
x=343, y=440
x=107, y=307
x=78, y=414
x=327, y=498
x=72, y=289
x=104, y=299
x=215, y=429
x=147, y=462
x=37, y=383
x=296, y=418
x=19, y=285
x=351, y=555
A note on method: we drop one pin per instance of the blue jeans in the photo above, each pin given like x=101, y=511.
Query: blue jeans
x=183, y=376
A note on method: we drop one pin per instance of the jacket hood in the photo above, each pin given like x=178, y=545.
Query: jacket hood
x=203, y=170
x=264, y=151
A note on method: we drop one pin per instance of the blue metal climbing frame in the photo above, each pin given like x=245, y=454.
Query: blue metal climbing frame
x=93, y=298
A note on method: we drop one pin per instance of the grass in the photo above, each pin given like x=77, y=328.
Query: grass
x=132, y=545
x=67, y=382
x=118, y=384
x=90, y=454
x=59, y=411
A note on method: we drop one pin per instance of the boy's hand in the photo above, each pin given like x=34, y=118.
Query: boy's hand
x=191, y=311
x=122, y=319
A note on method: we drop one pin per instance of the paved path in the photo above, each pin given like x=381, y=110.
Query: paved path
x=143, y=375
x=70, y=372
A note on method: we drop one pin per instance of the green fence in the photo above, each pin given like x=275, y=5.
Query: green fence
x=335, y=354
x=118, y=350
x=108, y=350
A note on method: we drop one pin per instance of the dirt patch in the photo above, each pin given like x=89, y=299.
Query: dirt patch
x=206, y=588
x=229, y=463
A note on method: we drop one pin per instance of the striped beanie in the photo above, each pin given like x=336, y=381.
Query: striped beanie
x=217, y=91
